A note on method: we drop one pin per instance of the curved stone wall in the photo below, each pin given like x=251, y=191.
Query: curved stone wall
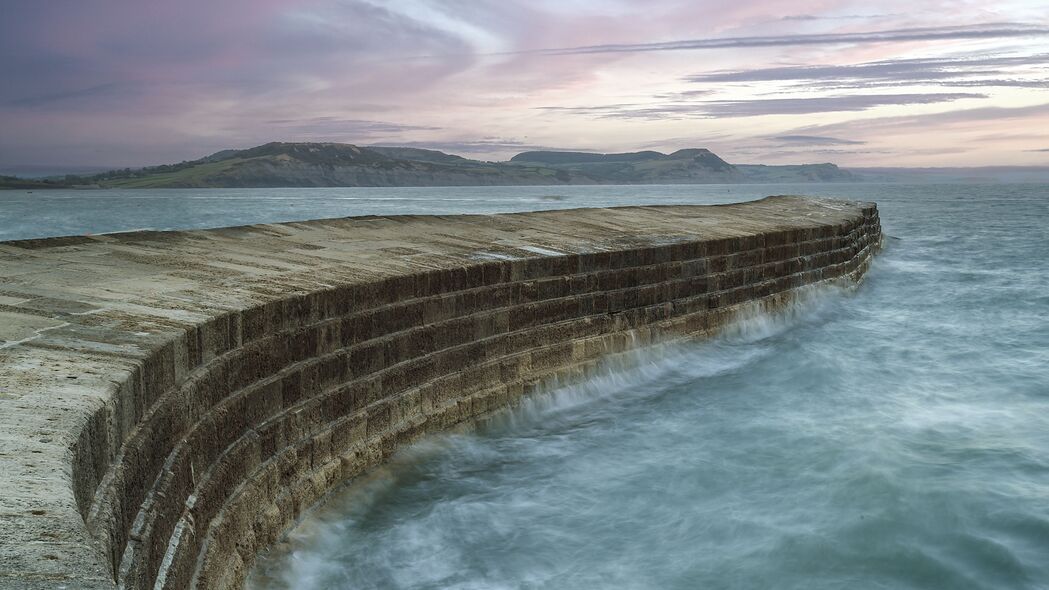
x=173, y=401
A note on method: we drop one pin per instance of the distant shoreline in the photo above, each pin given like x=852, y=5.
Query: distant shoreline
x=285, y=165
x=335, y=165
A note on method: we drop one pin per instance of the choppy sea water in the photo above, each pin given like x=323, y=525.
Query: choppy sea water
x=895, y=436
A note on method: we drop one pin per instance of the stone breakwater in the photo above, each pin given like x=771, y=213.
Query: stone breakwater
x=170, y=402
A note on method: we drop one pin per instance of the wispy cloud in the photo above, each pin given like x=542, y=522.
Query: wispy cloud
x=970, y=136
x=1024, y=71
x=340, y=126
x=126, y=82
x=814, y=140
x=996, y=83
x=823, y=104
x=981, y=31
x=894, y=70
x=813, y=17
x=760, y=106
x=997, y=115
x=684, y=95
x=78, y=97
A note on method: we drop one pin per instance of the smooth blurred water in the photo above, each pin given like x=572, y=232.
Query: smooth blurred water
x=31, y=214
x=896, y=436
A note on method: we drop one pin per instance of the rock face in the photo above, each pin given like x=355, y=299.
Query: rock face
x=171, y=402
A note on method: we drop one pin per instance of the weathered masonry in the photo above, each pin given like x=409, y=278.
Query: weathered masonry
x=171, y=401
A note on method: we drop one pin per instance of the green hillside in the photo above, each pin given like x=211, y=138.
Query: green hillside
x=280, y=164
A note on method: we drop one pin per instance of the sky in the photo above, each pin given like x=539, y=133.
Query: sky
x=126, y=83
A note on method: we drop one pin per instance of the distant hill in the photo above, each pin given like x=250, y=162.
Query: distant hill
x=281, y=164
x=14, y=182
x=419, y=155
x=760, y=173
x=681, y=167
x=327, y=165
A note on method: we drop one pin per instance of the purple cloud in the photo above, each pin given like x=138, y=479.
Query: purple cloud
x=127, y=83
x=814, y=140
x=761, y=106
x=981, y=31
x=963, y=72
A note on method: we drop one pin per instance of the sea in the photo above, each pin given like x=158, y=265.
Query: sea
x=891, y=436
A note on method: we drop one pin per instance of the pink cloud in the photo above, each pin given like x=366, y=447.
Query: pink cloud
x=122, y=82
